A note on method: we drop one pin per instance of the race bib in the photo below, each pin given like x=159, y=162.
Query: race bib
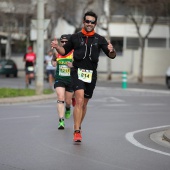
x=64, y=70
x=85, y=75
x=30, y=68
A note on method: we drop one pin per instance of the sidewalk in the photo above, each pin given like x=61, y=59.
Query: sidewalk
x=166, y=135
x=159, y=80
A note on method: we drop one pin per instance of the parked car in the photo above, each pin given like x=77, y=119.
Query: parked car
x=8, y=67
x=168, y=78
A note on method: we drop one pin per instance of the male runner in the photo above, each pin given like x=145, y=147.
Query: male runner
x=87, y=46
x=62, y=83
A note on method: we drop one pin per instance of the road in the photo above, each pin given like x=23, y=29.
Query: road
x=18, y=82
x=116, y=132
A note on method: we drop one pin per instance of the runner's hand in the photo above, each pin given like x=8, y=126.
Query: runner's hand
x=69, y=64
x=110, y=47
x=54, y=43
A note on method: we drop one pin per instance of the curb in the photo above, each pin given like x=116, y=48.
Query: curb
x=166, y=135
x=25, y=99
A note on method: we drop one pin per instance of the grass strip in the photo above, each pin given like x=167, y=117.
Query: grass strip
x=12, y=92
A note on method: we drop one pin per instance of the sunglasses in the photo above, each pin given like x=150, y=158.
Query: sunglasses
x=89, y=21
x=64, y=41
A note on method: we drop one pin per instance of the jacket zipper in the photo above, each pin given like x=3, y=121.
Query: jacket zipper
x=86, y=49
x=90, y=51
x=85, y=52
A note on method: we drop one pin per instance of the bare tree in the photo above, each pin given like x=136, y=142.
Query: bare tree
x=145, y=6
x=107, y=10
x=137, y=10
x=166, y=4
x=72, y=11
x=104, y=24
x=83, y=8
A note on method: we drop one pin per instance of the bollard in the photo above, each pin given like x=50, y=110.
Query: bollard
x=124, y=80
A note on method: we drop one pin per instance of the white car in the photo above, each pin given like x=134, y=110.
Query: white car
x=168, y=78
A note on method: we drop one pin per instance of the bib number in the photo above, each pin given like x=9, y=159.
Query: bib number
x=30, y=68
x=64, y=70
x=85, y=75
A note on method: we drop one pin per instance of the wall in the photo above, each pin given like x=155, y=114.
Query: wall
x=19, y=62
x=129, y=30
x=118, y=64
x=156, y=62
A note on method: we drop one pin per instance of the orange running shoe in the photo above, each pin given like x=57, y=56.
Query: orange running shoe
x=73, y=102
x=77, y=136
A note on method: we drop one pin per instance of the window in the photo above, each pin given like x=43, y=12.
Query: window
x=18, y=47
x=117, y=43
x=157, y=42
x=132, y=43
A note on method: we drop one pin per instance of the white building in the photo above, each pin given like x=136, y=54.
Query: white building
x=157, y=50
x=124, y=36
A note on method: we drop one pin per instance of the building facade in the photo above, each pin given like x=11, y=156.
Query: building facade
x=124, y=37
x=122, y=32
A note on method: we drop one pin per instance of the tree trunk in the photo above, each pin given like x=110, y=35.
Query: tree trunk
x=0, y=49
x=107, y=14
x=140, y=77
x=8, y=46
x=109, y=70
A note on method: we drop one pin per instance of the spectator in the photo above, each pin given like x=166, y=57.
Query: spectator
x=50, y=70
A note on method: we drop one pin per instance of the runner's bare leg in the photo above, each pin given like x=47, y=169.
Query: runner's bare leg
x=78, y=109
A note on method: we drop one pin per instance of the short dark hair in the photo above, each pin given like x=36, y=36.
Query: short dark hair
x=90, y=13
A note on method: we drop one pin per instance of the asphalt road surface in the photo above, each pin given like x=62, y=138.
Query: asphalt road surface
x=18, y=82
x=116, y=133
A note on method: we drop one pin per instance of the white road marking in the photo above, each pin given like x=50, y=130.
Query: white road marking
x=113, y=105
x=130, y=137
x=25, y=117
x=149, y=90
x=43, y=106
x=153, y=104
x=117, y=99
x=106, y=99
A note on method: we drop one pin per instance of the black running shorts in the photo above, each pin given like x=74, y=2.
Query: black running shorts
x=66, y=85
x=79, y=84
